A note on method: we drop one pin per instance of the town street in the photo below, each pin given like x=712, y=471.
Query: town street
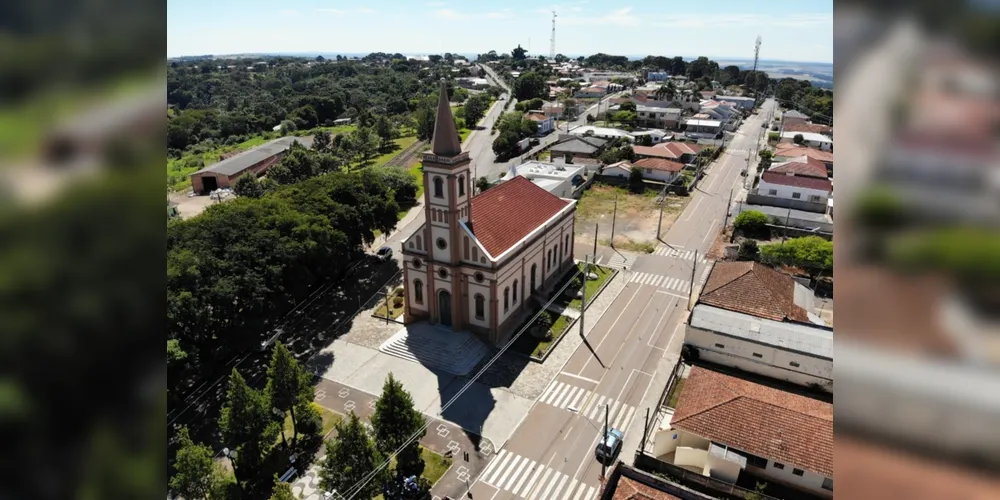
x=551, y=454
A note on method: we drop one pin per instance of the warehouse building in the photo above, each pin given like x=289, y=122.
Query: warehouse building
x=257, y=160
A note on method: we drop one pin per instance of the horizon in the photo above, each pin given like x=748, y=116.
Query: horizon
x=791, y=31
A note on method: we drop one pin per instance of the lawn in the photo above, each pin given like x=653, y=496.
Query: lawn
x=675, y=392
x=629, y=245
x=394, y=310
x=179, y=170
x=418, y=174
x=435, y=467
x=603, y=275
x=529, y=344
x=599, y=201
x=330, y=419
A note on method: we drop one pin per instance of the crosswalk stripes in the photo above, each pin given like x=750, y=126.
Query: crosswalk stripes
x=530, y=480
x=621, y=259
x=563, y=395
x=704, y=274
x=676, y=253
x=664, y=282
x=619, y=415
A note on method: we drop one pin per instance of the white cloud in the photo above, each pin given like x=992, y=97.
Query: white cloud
x=290, y=12
x=620, y=17
x=451, y=15
x=364, y=10
x=744, y=20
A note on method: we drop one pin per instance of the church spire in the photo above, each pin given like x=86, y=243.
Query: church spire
x=445, y=140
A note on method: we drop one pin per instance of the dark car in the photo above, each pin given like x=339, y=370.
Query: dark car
x=609, y=447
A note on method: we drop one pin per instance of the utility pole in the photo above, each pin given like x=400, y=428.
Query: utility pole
x=728, y=205
x=784, y=234
x=596, y=227
x=613, y=216
x=756, y=55
x=387, y=306
x=604, y=467
x=583, y=301
x=694, y=267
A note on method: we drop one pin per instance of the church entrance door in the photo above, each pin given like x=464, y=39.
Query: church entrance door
x=444, y=307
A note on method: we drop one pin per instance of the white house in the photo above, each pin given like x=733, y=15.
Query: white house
x=653, y=169
x=725, y=427
x=760, y=320
x=811, y=139
x=601, y=132
x=560, y=179
x=655, y=135
x=476, y=260
x=802, y=178
x=546, y=123
x=744, y=103
x=652, y=116
x=703, y=128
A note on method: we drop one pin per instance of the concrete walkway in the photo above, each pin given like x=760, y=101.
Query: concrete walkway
x=569, y=312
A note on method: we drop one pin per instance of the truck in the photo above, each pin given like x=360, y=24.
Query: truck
x=524, y=144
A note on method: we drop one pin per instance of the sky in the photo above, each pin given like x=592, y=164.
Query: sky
x=791, y=30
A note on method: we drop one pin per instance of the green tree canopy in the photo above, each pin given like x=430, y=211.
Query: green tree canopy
x=530, y=85
x=287, y=383
x=812, y=253
x=350, y=457
x=751, y=222
x=395, y=420
x=198, y=476
x=248, y=185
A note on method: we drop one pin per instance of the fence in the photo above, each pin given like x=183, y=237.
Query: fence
x=652, y=422
x=773, y=201
x=404, y=156
x=694, y=480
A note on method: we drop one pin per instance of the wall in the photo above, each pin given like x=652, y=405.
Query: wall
x=659, y=175
x=762, y=198
x=786, y=192
x=691, y=457
x=809, y=480
x=478, y=288
x=412, y=275
x=774, y=363
x=723, y=469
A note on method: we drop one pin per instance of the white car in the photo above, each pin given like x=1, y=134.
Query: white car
x=384, y=253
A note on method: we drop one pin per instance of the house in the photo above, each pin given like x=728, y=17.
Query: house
x=657, y=76
x=757, y=319
x=725, y=427
x=625, y=482
x=652, y=116
x=602, y=132
x=620, y=170
x=723, y=112
x=655, y=135
x=659, y=169
x=803, y=179
x=590, y=92
x=554, y=110
x=817, y=128
x=477, y=260
x=561, y=179
x=341, y=121
x=810, y=139
x=571, y=146
x=257, y=160
x=707, y=94
x=474, y=83
x=682, y=152
x=786, y=151
x=546, y=124
x=703, y=128
x=791, y=116
x=741, y=103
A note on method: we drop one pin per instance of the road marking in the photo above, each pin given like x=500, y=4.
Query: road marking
x=694, y=209
x=508, y=484
x=579, y=377
x=610, y=329
x=544, y=478
x=536, y=468
x=503, y=472
x=555, y=478
x=709, y=232
x=491, y=469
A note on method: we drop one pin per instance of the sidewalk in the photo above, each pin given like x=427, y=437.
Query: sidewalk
x=441, y=437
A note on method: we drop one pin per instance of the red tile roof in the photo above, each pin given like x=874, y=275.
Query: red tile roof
x=661, y=164
x=803, y=165
x=791, y=150
x=752, y=288
x=505, y=214
x=796, y=181
x=538, y=117
x=818, y=128
x=680, y=148
x=652, y=151
x=781, y=426
x=630, y=489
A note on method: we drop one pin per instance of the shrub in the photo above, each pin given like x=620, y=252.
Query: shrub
x=751, y=222
x=773, y=136
x=798, y=139
x=397, y=302
x=748, y=250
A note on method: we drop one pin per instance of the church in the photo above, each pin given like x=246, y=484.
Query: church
x=476, y=262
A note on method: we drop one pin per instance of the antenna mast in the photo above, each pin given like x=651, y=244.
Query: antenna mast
x=552, y=41
x=756, y=77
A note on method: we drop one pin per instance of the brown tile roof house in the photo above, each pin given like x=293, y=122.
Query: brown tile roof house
x=669, y=150
x=538, y=117
x=791, y=150
x=752, y=288
x=661, y=164
x=498, y=217
x=796, y=181
x=652, y=151
x=803, y=165
x=818, y=128
x=625, y=482
x=754, y=418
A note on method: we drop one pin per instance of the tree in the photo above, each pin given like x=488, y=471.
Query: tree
x=773, y=136
x=282, y=490
x=366, y=143
x=385, y=131
x=248, y=185
x=624, y=117
x=798, y=139
x=198, y=475
x=246, y=424
x=321, y=141
x=287, y=383
x=475, y=109
x=482, y=184
x=644, y=140
x=395, y=420
x=350, y=457
x=812, y=253
x=751, y=222
x=748, y=250
x=757, y=493
x=635, y=182
x=505, y=145
x=627, y=106
x=530, y=85
x=518, y=53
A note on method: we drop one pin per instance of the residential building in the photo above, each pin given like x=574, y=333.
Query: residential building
x=652, y=116
x=803, y=179
x=659, y=169
x=602, y=132
x=590, y=92
x=625, y=482
x=817, y=128
x=757, y=319
x=600, y=75
x=256, y=161
x=546, y=123
x=571, y=146
x=707, y=129
x=476, y=260
x=810, y=139
x=791, y=117
x=561, y=179
x=787, y=151
x=742, y=103
x=474, y=83
x=707, y=94
x=341, y=121
x=724, y=112
x=657, y=76
x=655, y=135
x=683, y=152
x=726, y=427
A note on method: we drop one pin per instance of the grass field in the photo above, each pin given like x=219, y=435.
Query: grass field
x=435, y=467
x=599, y=201
x=529, y=344
x=180, y=169
x=330, y=419
x=394, y=311
x=603, y=275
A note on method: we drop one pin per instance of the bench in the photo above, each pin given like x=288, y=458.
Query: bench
x=288, y=475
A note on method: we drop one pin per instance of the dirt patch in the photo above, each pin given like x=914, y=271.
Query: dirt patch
x=190, y=206
x=636, y=218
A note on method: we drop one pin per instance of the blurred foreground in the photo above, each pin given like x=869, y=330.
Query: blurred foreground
x=917, y=404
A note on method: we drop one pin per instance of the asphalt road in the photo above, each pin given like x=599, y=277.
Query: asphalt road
x=551, y=454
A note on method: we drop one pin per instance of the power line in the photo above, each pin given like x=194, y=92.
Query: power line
x=358, y=486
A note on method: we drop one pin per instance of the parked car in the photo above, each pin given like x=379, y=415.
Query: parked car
x=608, y=448
x=384, y=253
